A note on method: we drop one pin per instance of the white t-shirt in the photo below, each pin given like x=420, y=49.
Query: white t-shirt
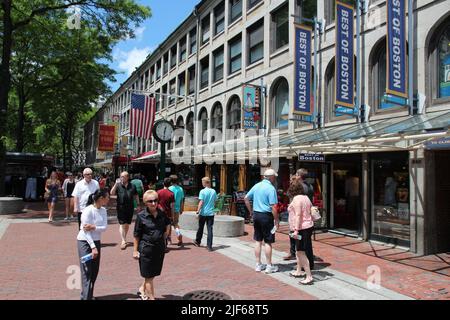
x=82, y=191
x=98, y=217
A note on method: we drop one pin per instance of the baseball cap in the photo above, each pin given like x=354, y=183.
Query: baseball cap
x=270, y=172
x=68, y=173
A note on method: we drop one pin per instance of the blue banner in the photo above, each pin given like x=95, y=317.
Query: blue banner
x=251, y=104
x=344, y=84
x=302, y=67
x=396, y=48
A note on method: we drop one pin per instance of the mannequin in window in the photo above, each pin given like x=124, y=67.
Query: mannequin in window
x=390, y=188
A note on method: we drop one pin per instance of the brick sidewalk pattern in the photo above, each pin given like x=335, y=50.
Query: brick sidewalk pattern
x=36, y=260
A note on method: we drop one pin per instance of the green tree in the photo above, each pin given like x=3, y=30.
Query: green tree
x=112, y=20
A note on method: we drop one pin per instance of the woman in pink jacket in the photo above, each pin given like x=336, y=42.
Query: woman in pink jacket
x=301, y=222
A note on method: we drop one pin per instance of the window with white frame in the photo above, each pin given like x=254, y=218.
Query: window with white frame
x=203, y=118
x=166, y=63
x=173, y=56
x=183, y=49
x=256, y=42
x=204, y=74
x=235, y=47
x=164, y=97
x=181, y=85
x=218, y=64
x=216, y=119
x=219, y=18
x=280, y=27
x=190, y=126
x=235, y=10
x=172, y=91
x=158, y=100
x=252, y=3
x=193, y=41
x=180, y=125
x=205, y=29
x=191, y=73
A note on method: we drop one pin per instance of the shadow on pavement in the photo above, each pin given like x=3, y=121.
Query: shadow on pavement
x=119, y=296
x=109, y=245
x=170, y=297
x=321, y=275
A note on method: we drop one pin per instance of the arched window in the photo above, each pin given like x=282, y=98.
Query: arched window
x=378, y=79
x=439, y=62
x=234, y=113
x=190, y=126
x=216, y=119
x=280, y=104
x=203, y=118
x=180, y=125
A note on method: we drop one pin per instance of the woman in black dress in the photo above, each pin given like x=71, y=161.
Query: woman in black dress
x=150, y=231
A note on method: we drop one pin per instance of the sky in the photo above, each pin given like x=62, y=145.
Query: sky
x=166, y=17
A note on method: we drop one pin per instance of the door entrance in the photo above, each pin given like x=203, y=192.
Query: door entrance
x=347, y=194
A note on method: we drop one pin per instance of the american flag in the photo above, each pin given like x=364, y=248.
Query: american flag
x=142, y=115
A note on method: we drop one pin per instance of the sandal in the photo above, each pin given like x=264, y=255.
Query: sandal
x=306, y=283
x=296, y=275
x=123, y=246
x=142, y=296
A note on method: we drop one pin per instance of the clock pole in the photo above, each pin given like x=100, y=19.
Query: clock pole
x=162, y=164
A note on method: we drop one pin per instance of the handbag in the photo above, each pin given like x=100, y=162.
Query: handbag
x=315, y=213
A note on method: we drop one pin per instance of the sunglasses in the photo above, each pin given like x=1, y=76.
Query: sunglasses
x=151, y=201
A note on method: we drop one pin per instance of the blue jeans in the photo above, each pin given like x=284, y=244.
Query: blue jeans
x=201, y=225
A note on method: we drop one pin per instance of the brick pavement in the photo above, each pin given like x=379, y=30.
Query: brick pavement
x=35, y=258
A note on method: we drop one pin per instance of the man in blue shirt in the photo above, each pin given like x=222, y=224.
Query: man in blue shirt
x=207, y=197
x=265, y=216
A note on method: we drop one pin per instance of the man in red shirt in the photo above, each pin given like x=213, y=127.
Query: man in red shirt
x=166, y=203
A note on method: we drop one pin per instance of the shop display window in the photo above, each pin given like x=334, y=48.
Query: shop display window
x=390, y=198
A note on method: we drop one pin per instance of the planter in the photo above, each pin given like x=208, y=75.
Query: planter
x=10, y=205
x=224, y=226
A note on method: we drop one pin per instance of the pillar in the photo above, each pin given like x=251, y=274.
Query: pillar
x=242, y=177
x=223, y=178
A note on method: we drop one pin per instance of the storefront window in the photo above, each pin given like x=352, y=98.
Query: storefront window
x=390, y=197
x=281, y=104
x=444, y=63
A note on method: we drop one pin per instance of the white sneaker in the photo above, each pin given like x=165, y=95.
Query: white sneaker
x=259, y=267
x=271, y=268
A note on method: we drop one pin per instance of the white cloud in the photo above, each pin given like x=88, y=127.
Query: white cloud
x=139, y=32
x=129, y=60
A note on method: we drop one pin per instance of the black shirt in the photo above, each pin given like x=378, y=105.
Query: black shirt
x=125, y=196
x=150, y=229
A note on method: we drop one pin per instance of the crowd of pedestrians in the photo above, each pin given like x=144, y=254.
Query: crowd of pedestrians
x=160, y=212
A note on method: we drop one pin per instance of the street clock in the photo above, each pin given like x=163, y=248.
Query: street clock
x=163, y=131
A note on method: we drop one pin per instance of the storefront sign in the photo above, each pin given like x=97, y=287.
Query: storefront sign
x=344, y=56
x=302, y=86
x=106, y=137
x=251, y=103
x=438, y=144
x=396, y=48
x=311, y=157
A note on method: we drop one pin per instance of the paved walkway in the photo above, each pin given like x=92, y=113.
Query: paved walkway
x=39, y=261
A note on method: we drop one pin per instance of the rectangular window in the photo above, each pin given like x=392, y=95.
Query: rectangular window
x=235, y=10
x=158, y=70
x=158, y=97
x=164, y=98
x=256, y=42
x=191, y=73
x=280, y=27
x=166, y=63
x=147, y=74
x=252, y=3
x=193, y=41
x=330, y=9
x=235, y=47
x=152, y=74
x=181, y=85
x=204, y=80
x=205, y=30
x=172, y=91
x=219, y=18
x=173, y=56
x=218, y=64
x=183, y=49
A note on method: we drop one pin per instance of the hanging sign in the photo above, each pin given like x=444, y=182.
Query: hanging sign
x=302, y=85
x=344, y=84
x=396, y=48
x=251, y=104
x=106, y=137
x=311, y=157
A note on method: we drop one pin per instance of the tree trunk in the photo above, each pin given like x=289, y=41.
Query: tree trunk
x=21, y=119
x=5, y=85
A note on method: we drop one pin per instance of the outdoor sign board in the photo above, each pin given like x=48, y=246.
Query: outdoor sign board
x=251, y=107
x=302, y=69
x=311, y=157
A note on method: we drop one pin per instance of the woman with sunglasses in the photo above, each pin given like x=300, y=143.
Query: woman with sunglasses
x=150, y=231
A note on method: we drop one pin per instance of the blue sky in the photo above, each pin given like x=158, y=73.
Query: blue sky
x=166, y=16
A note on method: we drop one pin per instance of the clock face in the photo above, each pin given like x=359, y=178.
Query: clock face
x=164, y=131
